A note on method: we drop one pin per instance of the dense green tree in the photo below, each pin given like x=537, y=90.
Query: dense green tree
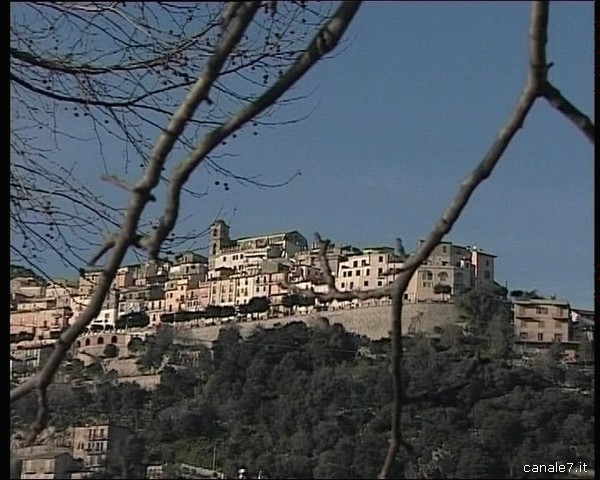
x=110, y=350
x=302, y=402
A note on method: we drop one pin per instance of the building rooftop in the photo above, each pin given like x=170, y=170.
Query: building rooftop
x=541, y=301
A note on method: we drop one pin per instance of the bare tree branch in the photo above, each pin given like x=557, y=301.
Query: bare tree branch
x=323, y=42
x=535, y=79
x=579, y=119
x=139, y=199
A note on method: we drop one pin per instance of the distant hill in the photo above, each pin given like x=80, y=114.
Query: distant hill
x=20, y=271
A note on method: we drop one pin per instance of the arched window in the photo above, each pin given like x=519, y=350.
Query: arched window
x=443, y=277
x=114, y=339
x=87, y=342
x=78, y=344
x=100, y=340
x=427, y=275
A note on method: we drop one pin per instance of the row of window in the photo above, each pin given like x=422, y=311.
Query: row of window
x=540, y=337
x=365, y=284
x=541, y=324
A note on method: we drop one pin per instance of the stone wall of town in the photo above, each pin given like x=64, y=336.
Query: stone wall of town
x=374, y=322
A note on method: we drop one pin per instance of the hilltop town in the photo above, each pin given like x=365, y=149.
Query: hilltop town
x=247, y=282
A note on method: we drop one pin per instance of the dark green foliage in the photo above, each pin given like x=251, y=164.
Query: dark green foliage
x=132, y=320
x=136, y=344
x=299, y=402
x=255, y=305
x=489, y=319
x=110, y=351
x=21, y=337
x=156, y=347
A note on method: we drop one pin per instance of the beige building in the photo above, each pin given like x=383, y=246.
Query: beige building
x=41, y=323
x=154, y=309
x=198, y=298
x=244, y=254
x=90, y=278
x=27, y=286
x=94, y=445
x=136, y=298
x=334, y=255
x=372, y=268
x=223, y=288
x=48, y=466
x=28, y=357
x=62, y=291
x=458, y=267
x=176, y=291
x=187, y=264
x=541, y=321
x=152, y=273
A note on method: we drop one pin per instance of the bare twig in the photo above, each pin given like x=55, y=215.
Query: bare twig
x=139, y=199
x=119, y=182
x=531, y=90
x=323, y=42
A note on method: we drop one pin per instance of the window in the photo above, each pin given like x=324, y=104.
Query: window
x=541, y=310
x=355, y=263
x=380, y=258
x=368, y=272
x=358, y=273
x=523, y=335
x=443, y=277
x=344, y=274
x=351, y=285
x=349, y=274
x=540, y=337
x=366, y=284
x=343, y=285
x=486, y=275
x=379, y=283
x=444, y=249
x=379, y=272
x=558, y=337
x=363, y=263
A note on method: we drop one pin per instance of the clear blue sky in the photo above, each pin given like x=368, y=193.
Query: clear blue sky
x=401, y=114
